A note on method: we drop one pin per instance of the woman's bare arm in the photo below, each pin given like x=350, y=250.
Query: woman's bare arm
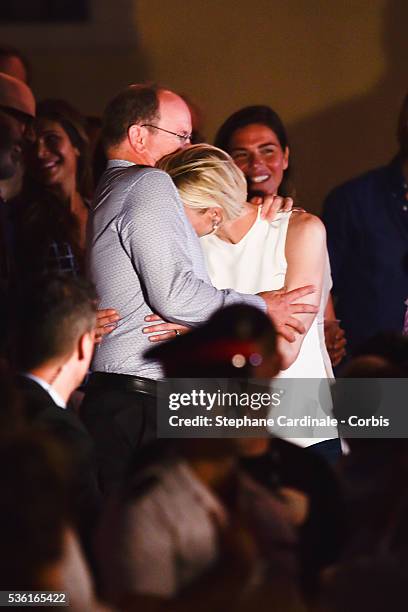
x=305, y=255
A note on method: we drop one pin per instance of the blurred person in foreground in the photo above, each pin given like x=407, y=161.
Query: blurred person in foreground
x=375, y=469
x=40, y=548
x=190, y=527
x=372, y=571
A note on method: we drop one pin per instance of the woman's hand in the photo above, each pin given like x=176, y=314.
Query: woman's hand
x=272, y=205
x=167, y=330
x=335, y=339
x=106, y=321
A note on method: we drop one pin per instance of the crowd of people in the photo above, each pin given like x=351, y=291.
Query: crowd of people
x=134, y=253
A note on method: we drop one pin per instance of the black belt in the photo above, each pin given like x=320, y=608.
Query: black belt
x=121, y=382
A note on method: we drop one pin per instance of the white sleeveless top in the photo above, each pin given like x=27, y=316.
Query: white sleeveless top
x=258, y=263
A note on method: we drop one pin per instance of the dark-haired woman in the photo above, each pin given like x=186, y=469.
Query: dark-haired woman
x=53, y=212
x=256, y=139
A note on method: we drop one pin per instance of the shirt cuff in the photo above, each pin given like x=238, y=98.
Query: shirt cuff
x=256, y=301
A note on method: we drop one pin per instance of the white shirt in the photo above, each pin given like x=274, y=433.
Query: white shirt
x=258, y=263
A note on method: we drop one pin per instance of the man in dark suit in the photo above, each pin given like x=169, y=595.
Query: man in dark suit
x=54, y=341
x=367, y=237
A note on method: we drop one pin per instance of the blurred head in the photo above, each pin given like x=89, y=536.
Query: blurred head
x=55, y=319
x=210, y=185
x=35, y=477
x=13, y=62
x=60, y=156
x=403, y=129
x=236, y=342
x=146, y=122
x=256, y=139
x=382, y=356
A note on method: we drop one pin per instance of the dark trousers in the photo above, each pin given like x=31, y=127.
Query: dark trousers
x=121, y=420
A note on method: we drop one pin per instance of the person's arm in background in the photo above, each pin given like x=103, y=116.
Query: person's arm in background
x=334, y=334
x=305, y=251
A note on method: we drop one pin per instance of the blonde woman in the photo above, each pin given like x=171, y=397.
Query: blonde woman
x=252, y=255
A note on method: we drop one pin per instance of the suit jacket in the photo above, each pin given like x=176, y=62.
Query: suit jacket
x=64, y=425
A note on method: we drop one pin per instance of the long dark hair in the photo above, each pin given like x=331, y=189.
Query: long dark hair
x=263, y=115
x=74, y=125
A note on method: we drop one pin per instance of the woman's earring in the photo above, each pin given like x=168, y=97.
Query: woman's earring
x=215, y=227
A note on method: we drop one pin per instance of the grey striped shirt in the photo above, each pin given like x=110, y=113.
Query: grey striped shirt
x=145, y=257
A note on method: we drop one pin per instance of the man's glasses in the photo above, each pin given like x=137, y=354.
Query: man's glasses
x=183, y=138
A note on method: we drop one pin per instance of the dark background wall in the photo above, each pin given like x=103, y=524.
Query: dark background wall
x=336, y=70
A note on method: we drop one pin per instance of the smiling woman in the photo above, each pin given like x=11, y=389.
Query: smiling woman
x=55, y=201
x=256, y=139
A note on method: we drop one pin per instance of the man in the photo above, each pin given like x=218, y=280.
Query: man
x=367, y=237
x=17, y=110
x=54, y=341
x=17, y=113
x=13, y=62
x=144, y=257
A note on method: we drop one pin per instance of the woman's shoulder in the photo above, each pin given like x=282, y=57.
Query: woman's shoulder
x=302, y=221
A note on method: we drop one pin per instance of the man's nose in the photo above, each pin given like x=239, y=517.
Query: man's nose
x=40, y=148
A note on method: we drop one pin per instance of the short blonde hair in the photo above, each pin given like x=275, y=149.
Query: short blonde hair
x=206, y=177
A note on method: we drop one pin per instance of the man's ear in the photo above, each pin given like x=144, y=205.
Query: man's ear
x=137, y=137
x=85, y=345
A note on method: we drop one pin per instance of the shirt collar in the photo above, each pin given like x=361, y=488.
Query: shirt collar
x=117, y=163
x=51, y=392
